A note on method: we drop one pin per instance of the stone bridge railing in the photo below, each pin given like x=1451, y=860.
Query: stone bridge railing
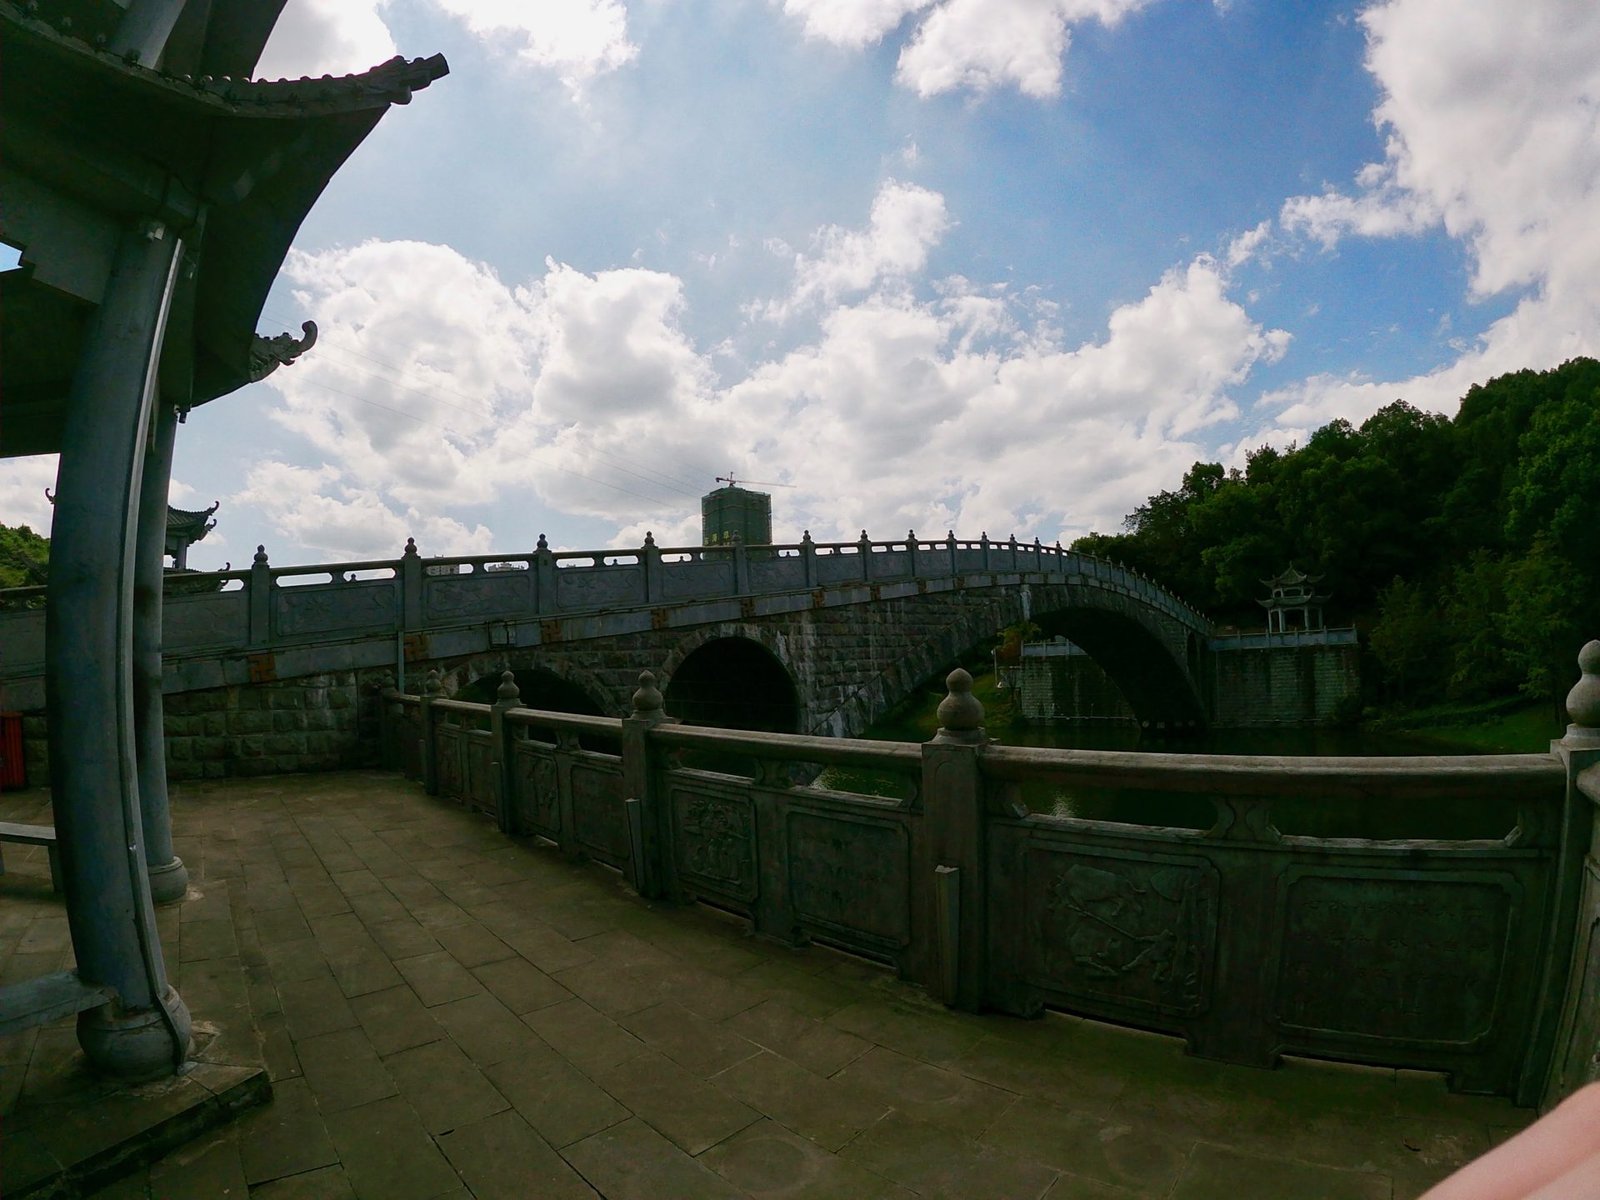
x=241, y=626
x=1429, y=952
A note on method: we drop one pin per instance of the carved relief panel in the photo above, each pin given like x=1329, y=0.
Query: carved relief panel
x=582, y=588
x=599, y=821
x=335, y=607
x=1133, y=931
x=851, y=875
x=539, y=792
x=1398, y=959
x=449, y=747
x=714, y=840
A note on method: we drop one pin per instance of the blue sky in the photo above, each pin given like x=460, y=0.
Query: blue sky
x=1002, y=265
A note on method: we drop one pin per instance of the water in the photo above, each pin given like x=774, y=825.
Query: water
x=1311, y=816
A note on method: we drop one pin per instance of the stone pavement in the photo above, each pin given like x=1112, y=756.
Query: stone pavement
x=446, y=1013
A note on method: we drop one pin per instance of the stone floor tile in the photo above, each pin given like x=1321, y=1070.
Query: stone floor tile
x=329, y=1183
x=286, y=924
x=403, y=938
x=815, y=1045
x=343, y=1070
x=930, y=1161
x=631, y=1161
x=207, y=1169
x=289, y=962
x=828, y=1113
x=443, y=1086
x=520, y=985
x=934, y=1036
x=560, y=1102
x=471, y=945
x=768, y=1162
x=395, y=1019
x=314, y=1006
x=199, y=940
x=586, y=1038
x=285, y=1137
x=613, y=990
x=387, y=1153
x=692, y=1113
x=699, y=1046
x=502, y=1158
x=1220, y=1173
x=1138, y=1155
x=486, y=1030
x=1076, y=1187
x=927, y=1092
x=437, y=978
x=359, y=971
x=533, y=940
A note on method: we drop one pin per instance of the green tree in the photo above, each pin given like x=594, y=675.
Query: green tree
x=24, y=557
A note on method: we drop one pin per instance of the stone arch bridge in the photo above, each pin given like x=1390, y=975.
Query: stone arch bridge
x=810, y=637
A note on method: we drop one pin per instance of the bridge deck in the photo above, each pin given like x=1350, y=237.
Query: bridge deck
x=446, y=1013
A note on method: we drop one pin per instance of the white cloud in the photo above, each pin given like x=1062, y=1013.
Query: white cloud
x=584, y=390
x=326, y=37
x=907, y=221
x=978, y=45
x=317, y=510
x=576, y=39
x=1491, y=114
x=853, y=23
x=22, y=485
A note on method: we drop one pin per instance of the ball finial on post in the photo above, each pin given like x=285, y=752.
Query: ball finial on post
x=647, y=698
x=508, y=692
x=960, y=712
x=433, y=687
x=1583, y=701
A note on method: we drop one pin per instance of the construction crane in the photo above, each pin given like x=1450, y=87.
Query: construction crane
x=732, y=482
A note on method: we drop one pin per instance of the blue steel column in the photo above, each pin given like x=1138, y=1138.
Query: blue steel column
x=89, y=651
x=169, y=878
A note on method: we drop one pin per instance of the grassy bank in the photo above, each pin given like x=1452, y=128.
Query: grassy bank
x=1511, y=726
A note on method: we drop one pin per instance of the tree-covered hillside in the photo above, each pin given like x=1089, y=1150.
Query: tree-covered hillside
x=24, y=557
x=1468, y=549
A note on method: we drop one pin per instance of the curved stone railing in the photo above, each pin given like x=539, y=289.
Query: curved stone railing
x=270, y=610
x=1432, y=951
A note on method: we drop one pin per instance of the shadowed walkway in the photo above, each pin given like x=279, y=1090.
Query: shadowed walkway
x=447, y=1013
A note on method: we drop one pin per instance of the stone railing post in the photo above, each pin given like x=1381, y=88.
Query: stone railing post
x=410, y=574
x=950, y=541
x=951, y=890
x=1576, y=902
x=544, y=581
x=502, y=733
x=865, y=545
x=260, y=599
x=650, y=557
x=808, y=558
x=983, y=544
x=1012, y=565
x=428, y=750
x=649, y=834
x=741, y=568
x=911, y=552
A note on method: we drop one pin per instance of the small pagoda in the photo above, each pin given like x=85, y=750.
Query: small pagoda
x=1293, y=604
x=184, y=529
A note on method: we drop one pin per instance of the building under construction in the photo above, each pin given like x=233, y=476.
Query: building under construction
x=733, y=513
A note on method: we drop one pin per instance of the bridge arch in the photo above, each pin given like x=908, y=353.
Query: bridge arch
x=731, y=679
x=542, y=681
x=1157, y=663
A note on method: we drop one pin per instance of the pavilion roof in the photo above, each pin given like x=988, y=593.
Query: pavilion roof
x=92, y=142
